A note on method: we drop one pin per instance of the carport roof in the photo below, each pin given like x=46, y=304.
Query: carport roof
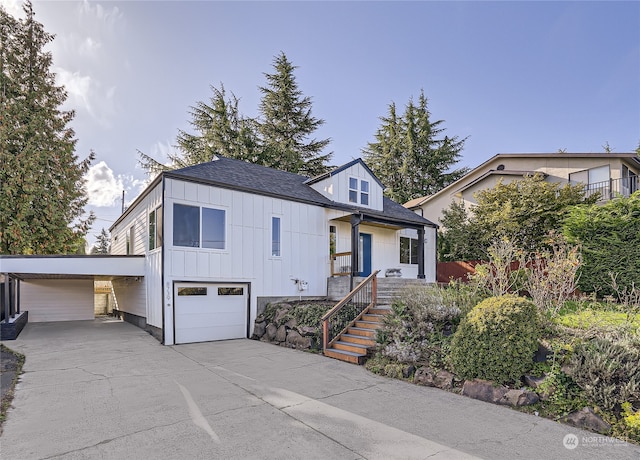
x=71, y=266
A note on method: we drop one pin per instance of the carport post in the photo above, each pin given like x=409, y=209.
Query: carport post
x=7, y=298
x=18, y=296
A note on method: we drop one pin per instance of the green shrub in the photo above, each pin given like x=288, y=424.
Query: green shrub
x=608, y=371
x=418, y=325
x=497, y=340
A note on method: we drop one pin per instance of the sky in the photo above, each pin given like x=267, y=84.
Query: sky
x=509, y=76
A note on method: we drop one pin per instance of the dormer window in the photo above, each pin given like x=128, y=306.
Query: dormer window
x=358, y=189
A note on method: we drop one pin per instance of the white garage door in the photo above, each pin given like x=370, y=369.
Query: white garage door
x=205, y=312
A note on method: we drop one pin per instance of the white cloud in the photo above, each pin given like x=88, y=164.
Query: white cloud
x=103, y=187
x=13, y=7
x=89, y=47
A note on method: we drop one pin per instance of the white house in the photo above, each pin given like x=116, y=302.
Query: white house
x=221, y=237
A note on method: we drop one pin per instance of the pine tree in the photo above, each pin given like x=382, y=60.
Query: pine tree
x=410, y=156
x=42, y=195
x=103, y=243
x=220, y=129
x=286, y=124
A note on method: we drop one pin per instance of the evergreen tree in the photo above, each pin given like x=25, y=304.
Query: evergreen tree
x=220, y=130
x=103, y=243
x=410, y=156
x=286, y=124
x=42, y=195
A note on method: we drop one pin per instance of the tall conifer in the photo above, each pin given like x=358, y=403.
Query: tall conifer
x=42, y=195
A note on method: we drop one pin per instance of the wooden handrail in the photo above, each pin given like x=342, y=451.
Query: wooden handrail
x=348, y=297
x=325, y=318
x=334, y=257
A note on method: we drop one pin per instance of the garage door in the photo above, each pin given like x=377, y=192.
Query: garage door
x=205, y=312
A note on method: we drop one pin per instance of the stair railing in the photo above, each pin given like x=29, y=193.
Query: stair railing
x=349, y=310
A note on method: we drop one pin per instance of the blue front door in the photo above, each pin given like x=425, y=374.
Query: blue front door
x=364, y=264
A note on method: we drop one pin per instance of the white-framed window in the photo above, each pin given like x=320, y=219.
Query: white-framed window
x=188, y=232
x=359, y=191
x=155, y=228
x=408, y=250
x=276, y=236
x=333, y=239
x=130, y=240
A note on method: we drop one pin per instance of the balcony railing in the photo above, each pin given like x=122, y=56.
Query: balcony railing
x=341, y=264
x=612, y=188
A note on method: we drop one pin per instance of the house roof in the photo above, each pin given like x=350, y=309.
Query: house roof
x=417, y=202
x=251, y=178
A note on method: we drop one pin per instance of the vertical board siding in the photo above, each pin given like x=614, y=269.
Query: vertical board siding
x=57, y=300
x=153, y=282
x=130, y=295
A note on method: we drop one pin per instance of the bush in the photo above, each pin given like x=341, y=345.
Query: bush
x=608, y=371
x=416, y=330
x=496, y=340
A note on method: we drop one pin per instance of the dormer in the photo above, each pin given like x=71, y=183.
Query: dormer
x=351, y=184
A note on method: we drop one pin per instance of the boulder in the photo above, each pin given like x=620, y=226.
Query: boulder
x=259, y=329
x=542, y=354
x=297, y=341
x=281, y=334
x=281, y=312
x=408, y=371
x=532, y=381
x=518, y=398
x=306, y=331
x=270, y=334
x=291, y=323
x=432, y=378
x=484, y=390
x=587, y=419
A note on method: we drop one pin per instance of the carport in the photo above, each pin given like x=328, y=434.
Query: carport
x=56, y=287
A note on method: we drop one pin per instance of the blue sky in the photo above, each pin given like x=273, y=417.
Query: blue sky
x=511, y=76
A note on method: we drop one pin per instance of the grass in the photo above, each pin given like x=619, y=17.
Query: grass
x=16, y=360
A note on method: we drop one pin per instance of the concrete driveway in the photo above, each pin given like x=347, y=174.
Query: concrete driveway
x=106, y=389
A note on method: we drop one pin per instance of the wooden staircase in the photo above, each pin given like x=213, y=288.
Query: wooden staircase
x=355, y=344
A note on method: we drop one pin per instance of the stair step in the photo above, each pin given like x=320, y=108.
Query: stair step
x=372, y=317
x=363, y=340
x=367, y=324
x=348, y=346
x=343, y=355
x=361, y=332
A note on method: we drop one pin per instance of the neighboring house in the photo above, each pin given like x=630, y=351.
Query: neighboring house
x=221, y=237
x=610, y=174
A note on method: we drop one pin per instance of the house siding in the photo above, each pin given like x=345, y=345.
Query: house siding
x=336, y=187
x=57, y=300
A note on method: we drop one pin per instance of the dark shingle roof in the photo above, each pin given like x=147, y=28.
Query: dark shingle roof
x=248, y=177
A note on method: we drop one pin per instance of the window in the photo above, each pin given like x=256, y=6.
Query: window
x=192, y=291
x=155, y=228
x=332, y=239
x=408, y=250
x=353, y=190
x=186, y=225
x=213, y=228
x=231, y=291
x=130, y=240
x=362, y=191
x=275, y=237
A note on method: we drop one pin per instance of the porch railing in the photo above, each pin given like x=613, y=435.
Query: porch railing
x=341, y=264
x=349, y=310
x=611, y=188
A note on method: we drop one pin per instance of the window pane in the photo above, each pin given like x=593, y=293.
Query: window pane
x=159, y=227
x=404, y=250
x=213, y=227
x=152, y=230
x=364, y=186
x=414, y=251
x=353, y=196
x=275, y=236
x=231, y=291
x=186, y=226
x=353, y=183
x=192, y=291
x=332, y=239
x=364, y=199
